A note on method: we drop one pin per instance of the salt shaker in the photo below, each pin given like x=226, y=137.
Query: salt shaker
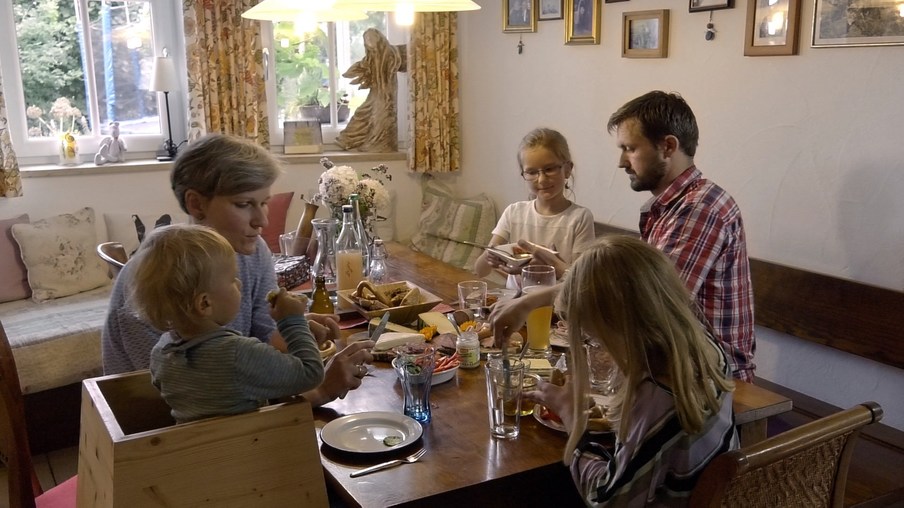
x=377, y=266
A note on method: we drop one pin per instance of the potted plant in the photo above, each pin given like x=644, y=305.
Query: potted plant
x=316, y=106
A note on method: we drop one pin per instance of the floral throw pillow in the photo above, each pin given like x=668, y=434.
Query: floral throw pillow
x=13, y=275
x=59, y=253
x=446, y=222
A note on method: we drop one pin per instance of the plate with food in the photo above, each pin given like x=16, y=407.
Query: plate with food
x=548, y=418
x=403, y=300
x=444, y=369
x=596, y=422
x=371, y=432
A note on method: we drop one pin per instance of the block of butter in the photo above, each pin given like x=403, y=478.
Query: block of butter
x=538, y=365
x=439, y=320
x=389, y=340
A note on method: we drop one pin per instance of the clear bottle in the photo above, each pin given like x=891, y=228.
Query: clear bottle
x=325, y=261
x=468, y=349
x=349, y=260
x=363, y=237
x=320, y=298
x=377, y=266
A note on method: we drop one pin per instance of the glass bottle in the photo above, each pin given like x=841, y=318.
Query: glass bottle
x=320, y=298
x=349, y=260
x=377, y=267
x=325, y=261
x=363, y=237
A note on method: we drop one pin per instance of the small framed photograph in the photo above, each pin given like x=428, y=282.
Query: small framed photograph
x=645, y=34
x=582, y=21
x=302, y=136
x=551, y=9
x=519, y=16
x=708, y=5
x=772, y=27
x=838, y=24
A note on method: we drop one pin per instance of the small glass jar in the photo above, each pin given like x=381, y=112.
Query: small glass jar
x=468, y=349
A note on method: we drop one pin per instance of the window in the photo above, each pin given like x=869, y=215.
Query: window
x=77, y=65
x=307, y=77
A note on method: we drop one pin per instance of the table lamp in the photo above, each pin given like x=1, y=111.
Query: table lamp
x=165, y=80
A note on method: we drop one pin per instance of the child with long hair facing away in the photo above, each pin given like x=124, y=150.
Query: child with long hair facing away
x=186, y=283
x=550, y=226
x=672, y=412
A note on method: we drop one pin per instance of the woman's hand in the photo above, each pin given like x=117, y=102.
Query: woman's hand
x=343, y=372
x=324, y=327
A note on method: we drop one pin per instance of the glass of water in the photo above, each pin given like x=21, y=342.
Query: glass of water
x=472, y=295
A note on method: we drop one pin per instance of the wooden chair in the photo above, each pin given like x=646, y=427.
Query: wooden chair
x=114, y=254
x=24, y=488
x=804, y=466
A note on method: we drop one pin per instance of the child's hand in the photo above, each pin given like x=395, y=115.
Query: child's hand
x=284, y=304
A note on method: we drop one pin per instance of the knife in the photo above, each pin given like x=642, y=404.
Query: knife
x=380, y=327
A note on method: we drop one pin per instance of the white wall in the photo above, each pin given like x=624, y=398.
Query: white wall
x=809, y=146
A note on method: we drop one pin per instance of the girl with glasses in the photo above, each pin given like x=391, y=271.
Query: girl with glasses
x=550, y=226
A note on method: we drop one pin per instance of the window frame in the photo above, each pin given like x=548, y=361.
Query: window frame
x=166, y=23
x=397, y=34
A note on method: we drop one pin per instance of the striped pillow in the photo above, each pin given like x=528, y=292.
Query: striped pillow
x=446, y=221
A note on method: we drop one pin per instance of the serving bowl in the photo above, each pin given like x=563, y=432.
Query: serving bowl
x=437, y=378
x=402, y=314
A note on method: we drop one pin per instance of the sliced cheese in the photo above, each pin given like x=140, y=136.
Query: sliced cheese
x=390, y=327
x=389, y=340
x=439, y=320
x=538, y=364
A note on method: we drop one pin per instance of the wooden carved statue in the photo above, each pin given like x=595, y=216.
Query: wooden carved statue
x=373, y=127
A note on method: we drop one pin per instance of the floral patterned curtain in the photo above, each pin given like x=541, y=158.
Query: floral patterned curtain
x=225, y=71
x=434, y=126
x=10, y=181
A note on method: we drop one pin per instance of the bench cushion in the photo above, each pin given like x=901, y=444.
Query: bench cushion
x=56, y=343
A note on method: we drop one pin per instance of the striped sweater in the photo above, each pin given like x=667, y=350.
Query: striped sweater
x=222, y=372
x=658, y=463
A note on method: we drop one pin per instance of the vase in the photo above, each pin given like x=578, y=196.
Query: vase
x=68, y=149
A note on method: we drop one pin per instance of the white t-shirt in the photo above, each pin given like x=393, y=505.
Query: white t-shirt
x=571, y=231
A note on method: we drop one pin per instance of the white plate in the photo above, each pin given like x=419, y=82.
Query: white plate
x=437, y=378
x=547, y=423
x=507, y=252
x=364, y=432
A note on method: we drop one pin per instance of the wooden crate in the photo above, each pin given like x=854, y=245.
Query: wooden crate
x=131, y=452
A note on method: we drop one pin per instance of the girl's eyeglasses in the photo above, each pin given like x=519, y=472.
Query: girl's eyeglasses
x=532, y=174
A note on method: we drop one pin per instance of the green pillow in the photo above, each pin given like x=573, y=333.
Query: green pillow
x=447, y=221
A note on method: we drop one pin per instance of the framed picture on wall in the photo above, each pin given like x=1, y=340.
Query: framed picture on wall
x=582, y=21
x=519, y=16
x=550, y=9
x=302, y=137
x=837, y=24
x=645, y=34
x=772, y=27
x=708, y=5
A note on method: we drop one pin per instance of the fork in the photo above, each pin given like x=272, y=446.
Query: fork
x=411, y=459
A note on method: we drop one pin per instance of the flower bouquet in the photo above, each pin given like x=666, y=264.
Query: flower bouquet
x=65, y=122
x=337, y=183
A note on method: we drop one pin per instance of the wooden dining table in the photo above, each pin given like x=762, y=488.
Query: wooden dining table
x=463, y=463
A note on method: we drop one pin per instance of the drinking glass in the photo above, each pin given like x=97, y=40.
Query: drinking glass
x=604, y=373
x=504, y=398
x=539, y=321
x=286, y=242
x=415, y=369
x=472, y=295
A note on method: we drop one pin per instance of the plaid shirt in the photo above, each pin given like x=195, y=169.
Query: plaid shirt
x=698, y=225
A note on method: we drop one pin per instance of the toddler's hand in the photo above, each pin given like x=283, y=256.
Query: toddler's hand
x=284, y=304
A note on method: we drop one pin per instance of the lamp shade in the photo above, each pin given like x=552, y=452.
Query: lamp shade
x=164, y=78
x=290, y=10
x=419, y=5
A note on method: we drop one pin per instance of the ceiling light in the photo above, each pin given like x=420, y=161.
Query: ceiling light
x=290, y=10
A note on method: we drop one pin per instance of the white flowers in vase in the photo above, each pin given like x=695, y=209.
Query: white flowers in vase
x=337, y=183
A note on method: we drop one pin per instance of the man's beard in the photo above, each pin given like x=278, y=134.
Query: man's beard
x=651, y=179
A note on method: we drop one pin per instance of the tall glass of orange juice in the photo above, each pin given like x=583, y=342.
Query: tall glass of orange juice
x=539, y=321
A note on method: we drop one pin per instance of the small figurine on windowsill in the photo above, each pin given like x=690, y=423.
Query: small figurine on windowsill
x=112, y=149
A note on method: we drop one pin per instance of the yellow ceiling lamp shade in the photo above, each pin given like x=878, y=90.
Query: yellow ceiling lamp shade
x=310, y=10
